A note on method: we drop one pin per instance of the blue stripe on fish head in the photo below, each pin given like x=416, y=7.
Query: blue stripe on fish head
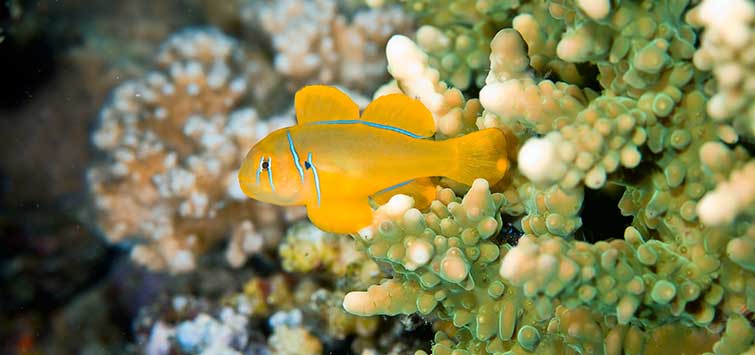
x=272, y=170
x=311, y=165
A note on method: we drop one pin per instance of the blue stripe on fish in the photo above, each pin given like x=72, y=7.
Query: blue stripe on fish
x=372, y=124
x=295, y=156
x=259, y=169
x=270, y=172
x=317, y=178
x=394, y=186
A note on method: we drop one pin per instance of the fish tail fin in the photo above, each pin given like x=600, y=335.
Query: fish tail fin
x=481, y=154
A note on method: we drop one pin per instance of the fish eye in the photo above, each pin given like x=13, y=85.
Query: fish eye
x=265, y=164
x=306, y=165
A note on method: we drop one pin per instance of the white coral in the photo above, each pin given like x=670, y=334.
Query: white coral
x=726, y=47
x=730, y=198
x=173, y=142
x=314, y=42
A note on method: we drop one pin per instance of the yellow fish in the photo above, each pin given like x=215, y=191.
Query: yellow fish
x=333, y=160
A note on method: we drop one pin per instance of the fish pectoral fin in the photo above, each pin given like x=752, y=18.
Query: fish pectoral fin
x=422, y=190
x=401, y=111
x=342, y=216
x=323, y=103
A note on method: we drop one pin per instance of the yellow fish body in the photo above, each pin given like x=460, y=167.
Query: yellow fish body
x=333, y=160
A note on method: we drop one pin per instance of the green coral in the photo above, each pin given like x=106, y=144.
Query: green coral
x=635, y=45
x=633, y=279
x=460, y=53
x=456, y=37
x=445, y=263
x=601, y=95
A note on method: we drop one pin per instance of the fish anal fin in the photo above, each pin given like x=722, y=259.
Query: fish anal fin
x=342, y=216
x=422, y=190
x=401, y=111
x=323, y=103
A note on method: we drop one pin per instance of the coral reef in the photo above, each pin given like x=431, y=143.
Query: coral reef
x=611, y=100
x=413, y=76
x=726, y=44
x=174, y=140
x=316, y=43
x=296, y=312
x=679, y=279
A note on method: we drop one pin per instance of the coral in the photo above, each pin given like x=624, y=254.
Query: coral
x=730, y=198
x=459, y=53
x=308, y=249
x=261, y=296
x=410, y=68
x=629, y=278
x=636, y=46
x=602, y=99
x=303, y=315
x=683, y=267
x=294, y=341
x=737, y=339
x=543, y=106
x=444, y=263
x=197, y=327
x=173, y=141
x=207, y=335
x=314, y=41
x=727, y=43
x=456, y=36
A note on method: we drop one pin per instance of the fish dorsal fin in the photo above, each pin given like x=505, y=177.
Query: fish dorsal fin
x=401, y=111
x=422, y=190
x=323, y=103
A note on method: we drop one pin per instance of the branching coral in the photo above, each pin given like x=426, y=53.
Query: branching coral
x=173, y=142
x=206, y=335
x=446, y=265
x=645, y=129
x=287, y=340
x=308, y=249
x=629, y=278
x=733, y=196
x=635, y=46
x=457, y=51
x=603, y=97
x=409, y=66
x=314, y=42
x=456, y=36
x=726, y=48
x=303, y=315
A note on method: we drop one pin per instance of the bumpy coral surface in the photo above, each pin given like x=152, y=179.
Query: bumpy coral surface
x=316, y=42
x=646, y=104
x=173, y=142
x=726, y=47
x=602, y=96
